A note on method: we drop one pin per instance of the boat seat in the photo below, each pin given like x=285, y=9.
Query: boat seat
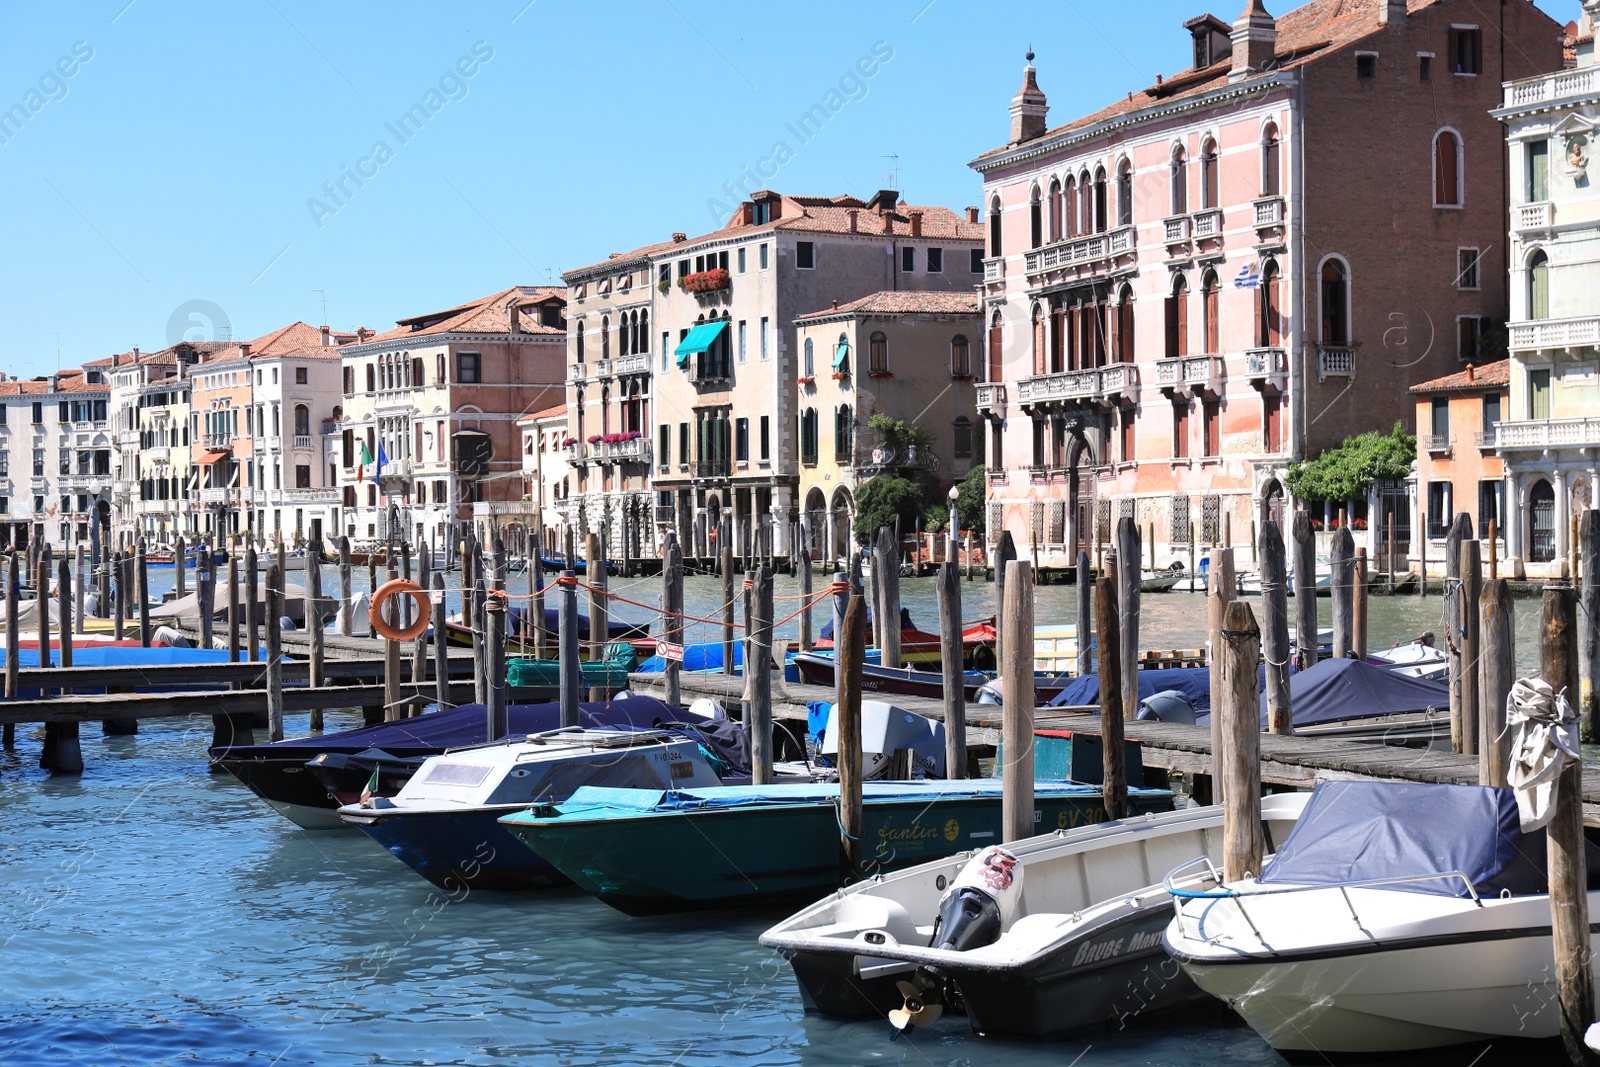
x=862, y=911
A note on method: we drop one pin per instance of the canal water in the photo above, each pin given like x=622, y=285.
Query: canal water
x=152, y=913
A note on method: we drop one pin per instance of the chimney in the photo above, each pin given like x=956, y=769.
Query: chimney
x=244, y=351
x=1028, y=107
x=680, y=237
x=362, y=333
x=855, y=220
x=327, y=337
x=1255, y=39
x=514, y=314
x=1472, y=373
x=972, y=215
x=1391, y=12
x=888, y=223
x=54, y=381
x=916, y=222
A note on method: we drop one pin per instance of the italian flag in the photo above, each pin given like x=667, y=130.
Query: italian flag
x=366, y=457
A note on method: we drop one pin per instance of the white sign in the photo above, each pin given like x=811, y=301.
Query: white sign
x=669, y=651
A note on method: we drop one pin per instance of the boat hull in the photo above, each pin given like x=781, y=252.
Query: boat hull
x=460, y=851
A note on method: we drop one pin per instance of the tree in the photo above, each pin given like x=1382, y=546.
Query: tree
x=972, y=501
x=882, y=500
x=1349, y=471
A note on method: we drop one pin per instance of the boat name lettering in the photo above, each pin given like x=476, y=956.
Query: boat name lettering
x=1094, y=951
x=888, y=833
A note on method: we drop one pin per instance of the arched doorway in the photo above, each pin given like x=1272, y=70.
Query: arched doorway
x=1080, y=494
x=1272, y=504
x=1541, y=523
x=816, y=512
x=840, y=517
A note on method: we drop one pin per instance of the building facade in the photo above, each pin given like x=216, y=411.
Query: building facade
x=1549, y=439
x=1192, y=288
x=55, y=458
x=1458, y=469
x=547, y=475
x=910, y=356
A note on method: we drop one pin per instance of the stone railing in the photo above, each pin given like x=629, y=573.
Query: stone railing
x=1269, y=212
x=1547, y=433
x=1537, y=216
x=1207, y=224
x=1265, y=362
x=635, y=364
x=325, y=495
x=1548, y=88
x=1540, y=334
x=1073, y=251
x=1176, y=229
x=1335, y=361
x=994, y=270
x=991, y=396
x=1435, y=442
x=216, y=496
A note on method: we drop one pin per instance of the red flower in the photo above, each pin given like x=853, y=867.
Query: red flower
x=706, y=281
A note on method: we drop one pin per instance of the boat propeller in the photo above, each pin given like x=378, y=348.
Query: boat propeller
x=915, y=1011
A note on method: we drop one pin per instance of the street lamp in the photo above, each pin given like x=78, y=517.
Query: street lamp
x=955, y=494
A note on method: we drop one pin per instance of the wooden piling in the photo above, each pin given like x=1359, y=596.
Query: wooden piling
x=1275, y=629
x=13, y=641
x=392, y=709
x=571, y=674
x=1569, y=897
x=142, y=591
x=1005, y=553
x=346, y=620
x=1389, y=549
x=850, y=641
x=472, y=615
x=63, y=753
x=1589, y=624
x=1342, y=563
x=405, y=603
x=78, y=591
x=252, y=605
x=441, y=647
x=180, y=577
x=950, y=656
x=1018, y=695
x=64, y=611
x=205, y=591
x=102, y=567
x=1127, y=615
x=599, y=606
x=494, y=615
x=1490, y=535
x=120, y=616
x=419, y=646
x=372, y=587
x=730, y=597
x=1085, y=586
x=1452, y=612
x=1114, y=780
x=274, y=652
x=1238, y=761
x=1470, y=636
x=803, y=582
x=758, y=669
x=887, y=562
x=1496, y=672
x=233, y=608
x=672, y=610
x=1358, y=605
x=313, y=620
x=1220, y=592
x=537, y=630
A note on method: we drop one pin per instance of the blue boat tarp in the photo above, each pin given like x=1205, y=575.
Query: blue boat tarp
x=738, y=796
x=92, y=655
x=1193, y=682
x=701, y=657
x=1360, y=831
x=464, y=725
x=1334, y=690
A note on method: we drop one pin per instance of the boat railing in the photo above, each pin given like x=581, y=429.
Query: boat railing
x=1222, y=892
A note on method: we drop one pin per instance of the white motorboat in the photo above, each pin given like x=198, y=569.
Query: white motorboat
x=1078, y=945
x=1395, y=917
x=1415, y=659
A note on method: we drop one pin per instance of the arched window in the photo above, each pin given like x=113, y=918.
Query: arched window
x=808, y=435
x=1539, y=286
x=810, y=370
x=1125, y=193
x=1100, y=206
x=1038, y=341
x=844, y=434
x=624, y=334
x=1446, y=169
x=1209, y=191
x=1209, y=292
x=605, y=337
x=1035, y=219
x=1125, y=325
x=960, y=357
x=995, y=244
x=1085, y=203
x=1071, y=198
x=841, y=355
x=1269, y=307
x=1180, y=181
x=1335, y=303
x=302, y=420
x=961, y=438
x=996, y=348
x=1055, y=209
x=878, y=353
x=1271, y=175
x=644, y=331
x=1178, y=318
x=580, y=345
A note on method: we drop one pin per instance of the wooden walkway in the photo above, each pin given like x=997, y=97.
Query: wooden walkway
x=1299, y=762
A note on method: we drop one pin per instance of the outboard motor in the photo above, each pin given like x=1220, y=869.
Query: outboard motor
x=979, y=902
x=1169, y=705
x=991, y=693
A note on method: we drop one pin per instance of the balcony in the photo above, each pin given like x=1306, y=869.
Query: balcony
x=1101, y=385
x=577, y=372
x=219, y=440
x=1540, y=434
x=216, y=496
x=602, y=369
x=994, y=270
x=1269, y=212
x=1336, y=361
x=666, y=513
x=1207, y=225
x=639, y=364
x=1266, y=366
x=1486, y=440
x=713, y=468
x=577, y=453
x=1533, y=218
x=992, y=397
x=1553, y=88
x=634, y=451
x=1437, y=444
x=302, y=442
x=330, y=427
x=158, y=507
x=1191, y=375
x=1543, y=335
x=1093, y=250
x=321, y=496
x=1176, y=230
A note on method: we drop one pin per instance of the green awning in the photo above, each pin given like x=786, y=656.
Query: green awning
x=842, y=354
x=699, y=339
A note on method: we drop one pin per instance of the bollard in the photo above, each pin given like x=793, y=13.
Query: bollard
x=274, y=653
x=142, y=591
x=1460, y=530
x=1114, y=780
x=1496, y=672
x=758, y=672
x=886, y=575
x=1220, y=591
x=1127, y=615
x=599, y=606
x=1358, y=606
x=252, y=604
x=571, y=675
x=849, y=642
x=1005, y=552
x=729, y=597
x=955, y=692
x=233, y=609
x=672, y=607
x=313, y=620
x=78, y=592
x=1468, y=594
x=345, y=620
x=392, y=709
x=1342, y=562
x=494, y=612
x=1016, y=669
x=441, y=648
x=1085, y=586
x=803, y=581
x=205, y=591
x=1240, y=755
x=1275, y=631
x=1305, y=589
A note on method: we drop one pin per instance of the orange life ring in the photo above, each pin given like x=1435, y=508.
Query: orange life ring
x=402, y=587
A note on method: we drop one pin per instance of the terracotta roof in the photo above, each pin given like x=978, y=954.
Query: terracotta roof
x=67, y=381
x=1303, y=34
x=486, y=315
x=296, y=335
x=902, y=302
x=1487, y=376
x=556, y=412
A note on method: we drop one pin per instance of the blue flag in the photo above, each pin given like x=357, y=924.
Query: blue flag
x=1249, y=277
x=382, y=459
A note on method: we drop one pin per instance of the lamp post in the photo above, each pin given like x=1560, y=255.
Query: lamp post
x=955, y=494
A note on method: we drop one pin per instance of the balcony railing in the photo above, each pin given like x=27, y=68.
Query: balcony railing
x=1176, y=229
x=634, y=451
x=1486, y=440
x=577, y=372
x=1548, y=433
x=156, y=454
x=991, y=396
x=1099, y=384
x=1335, y=361
x=1543, y=334
x=602, y=369
x=577, y=452
x=1269, y=212
x=638, y=364
x=1437, y=443
x=325, y=495
x=994, y=270
x=1207, y=225
x=1263, y=363
x=713, y=468
x=219, y=440
x=1549, y=88
x=216, y=496
x=1076, y=251
x=1533, y=217
x=1189, y=375
x=302, y=442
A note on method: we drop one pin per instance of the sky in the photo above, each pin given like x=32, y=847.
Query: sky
x=219, y=170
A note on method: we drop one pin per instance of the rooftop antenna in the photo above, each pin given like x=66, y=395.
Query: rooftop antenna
x=324, y=294
x=58, y=350
x=895, y=180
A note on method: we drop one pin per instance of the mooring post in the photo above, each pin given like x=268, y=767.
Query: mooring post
x=1275, y=632
x=1305, y=589
x=1085, y=595
x=205, y=592
x=64, y=602
x=42, y=601
x=13, y=642
x=1128, y=596
x=120, y=615
x=729, y=596
x=494, y=614
x=803, y=584
x=1496, y=672
x=441, y=648
x=78, y=591
x=1019, y=698
x=252, y=604
x=1452, y=611
x=1358, y=605
x=1471, y=637
x=1220, y=592
x=1342, y=584
x=950, y=655
x=599, y=606
x=392, y=709
x=274, y=652
x=1239, y=759
x=888, y=559
x=419, y=646
x=1005, y=552
x=850, y=649
x=472, y=615
x=571, y=674
x=672, y=611
x=1114, y=780
x=1589, y=623
x=539, y=631
x=405, y=602
x=142, y=591
x=346, y=619
x=233, y=608
x=180, y=577
x=313, y=620
x=1569, y=897
x=758, y=669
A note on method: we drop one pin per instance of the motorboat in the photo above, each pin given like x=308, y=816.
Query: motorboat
x=307, y=779
x=1080, y=946
x=1395, y=917
x=1415, y=659
x=817, y=668
x=442, y=823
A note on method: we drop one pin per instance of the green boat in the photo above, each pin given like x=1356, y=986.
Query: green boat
x=645, y=851
x=608, y=672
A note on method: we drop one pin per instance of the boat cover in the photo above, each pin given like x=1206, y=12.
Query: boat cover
x=706, y=656
x=96, y=655
x=737, y=796
x=428, y=734
x=1193, y=682
x=1360, y=831
x=1338, y=689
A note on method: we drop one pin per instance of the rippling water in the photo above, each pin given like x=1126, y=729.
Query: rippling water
x=152, y=913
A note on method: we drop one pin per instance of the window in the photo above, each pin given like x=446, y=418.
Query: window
x=1100, y=205
x=1366, y=65
x=996, y=245
x=439, y=363
x=1180, y=182
x=1538, y=396
x=372, y=378
x=1208, y=174
x=1537, y=186
x=975, y=261
x=349, y=381
x=961, y=436
x=1035, y=220
x=1439, y=419
x=302, y=420
x=844, y=433
x=1538, y=287
x=467, y=368
x=908, y=260
x=38, y=412
x=1272, y=422
x=1439, y=513
x=1210, y=415
x=741, y=260
x=1056, y=205
x=996, y=347
x=1125, y=320
x=744, y=339
x=1491, y=412
x=763, y=255
x=766, y=438
x=38, y=463
x=878, y=354
x=1490, y=494
x=663, y=276
x=1180, y=428
x=302, y=476
x=1466, y=50
x=1469, y=336
x=808, y=436
x=1209, y=296
x=935, y=261
x=741, y=440
x=1425, y=66
x=960, y=357
x=1446, y=169
x=805, y=255
x=766, y=346
x=1178, y=319
x=683, y=269
x=1269, y=322
x=1467, y=268
x=666, y=349
x=1125, y=419
x=683, y=443
x=1335, y=304
x=809, y=367
x=1124, y=193
x=1271, y=154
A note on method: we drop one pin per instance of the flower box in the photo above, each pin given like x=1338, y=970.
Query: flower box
x=806, y=381
x=594, y=439
x=841, y=375
x=707, y=281
x=879, y=374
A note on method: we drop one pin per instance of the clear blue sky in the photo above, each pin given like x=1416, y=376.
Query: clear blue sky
x=177, y=163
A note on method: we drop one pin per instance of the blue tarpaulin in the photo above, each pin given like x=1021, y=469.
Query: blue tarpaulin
x=1193, y=682
x=1338, y=689
x=706, y=656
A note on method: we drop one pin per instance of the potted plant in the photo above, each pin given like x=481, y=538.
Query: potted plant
x=806, y=380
